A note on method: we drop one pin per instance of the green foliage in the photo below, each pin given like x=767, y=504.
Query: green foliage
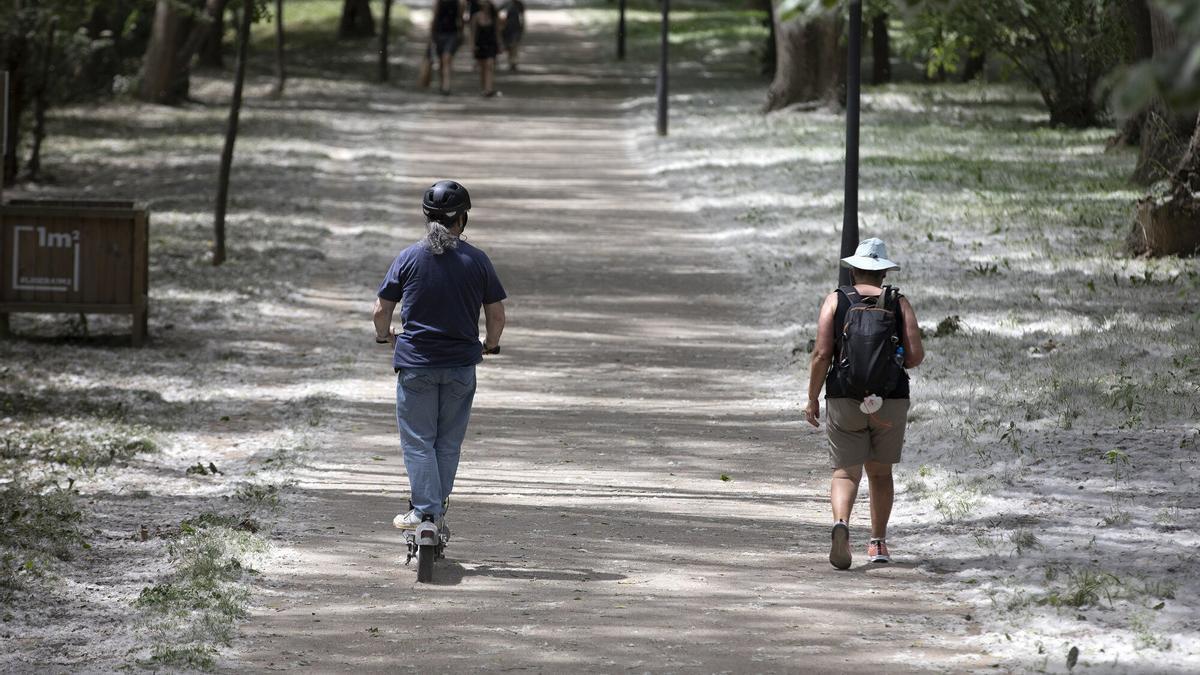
x=38, y=522
x=75, y=449
x=196, y=607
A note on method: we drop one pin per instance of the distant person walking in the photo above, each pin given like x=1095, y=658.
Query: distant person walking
x=485, y=26
x=513, y=31
x=867, y=335
x=446, y=35
x=440, y=282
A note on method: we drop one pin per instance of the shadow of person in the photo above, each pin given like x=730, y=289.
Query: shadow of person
x=450, y=573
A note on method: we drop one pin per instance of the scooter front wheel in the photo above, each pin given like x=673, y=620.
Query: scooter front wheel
x=425, y=555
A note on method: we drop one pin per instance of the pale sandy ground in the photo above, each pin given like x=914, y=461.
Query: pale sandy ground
x=592, y=530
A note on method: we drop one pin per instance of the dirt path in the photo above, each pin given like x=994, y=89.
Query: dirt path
x=592, y=529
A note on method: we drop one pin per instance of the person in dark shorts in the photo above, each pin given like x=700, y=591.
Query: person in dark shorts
x=863, y=434
x=485, y=27
x=446, y=34
x=513, y=31
x=440, y=284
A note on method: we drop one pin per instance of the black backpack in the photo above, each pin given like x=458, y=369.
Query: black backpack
x=868, y=361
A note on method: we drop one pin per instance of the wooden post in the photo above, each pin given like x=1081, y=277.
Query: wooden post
x=663, y=68
x=231, y=129
x=384, y=36
x=621, y=32
x=280, y=68
x=850, y=207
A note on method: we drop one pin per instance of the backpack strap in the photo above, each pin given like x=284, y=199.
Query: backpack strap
x=851, y=294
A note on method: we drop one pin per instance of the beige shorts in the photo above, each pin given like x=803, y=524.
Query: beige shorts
x=855, y=437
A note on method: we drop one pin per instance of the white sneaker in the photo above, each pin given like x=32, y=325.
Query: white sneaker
x=407, y=521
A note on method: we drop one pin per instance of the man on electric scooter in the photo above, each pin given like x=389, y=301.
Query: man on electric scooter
x=440, y=282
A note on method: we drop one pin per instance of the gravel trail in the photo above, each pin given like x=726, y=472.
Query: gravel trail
x=593, y=525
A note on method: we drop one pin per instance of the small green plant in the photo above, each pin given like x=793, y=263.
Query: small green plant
x=726, y=477
x=1085, y=588
x=1116, y=458
x=985, y=270
x=1024, y=540
x=1125, y=395
x=954, y=505
x=261, y=495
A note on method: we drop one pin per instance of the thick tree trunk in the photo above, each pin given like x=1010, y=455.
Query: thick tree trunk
x=357, y=21
x=158, y=65
x=881, y=50
x=810, y=62
x=1170, y=225
x=975, y=63
x=174, y=42
x=1163, y=134
x=231, y=132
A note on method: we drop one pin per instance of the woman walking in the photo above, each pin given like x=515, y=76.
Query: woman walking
x=485, y=26
x=872, y=330
x=445, y=33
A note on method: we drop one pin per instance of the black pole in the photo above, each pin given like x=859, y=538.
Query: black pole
x=850, y=209
x=621, y=32
x=662, y=70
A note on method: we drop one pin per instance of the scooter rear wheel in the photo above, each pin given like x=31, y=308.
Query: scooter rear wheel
x=425, y=556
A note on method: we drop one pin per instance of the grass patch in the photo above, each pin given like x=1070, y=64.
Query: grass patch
x=699, y=32
x=86, y=449
x=39, y=523
x=195, y=609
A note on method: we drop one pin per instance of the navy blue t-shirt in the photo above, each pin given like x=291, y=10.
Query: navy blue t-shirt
x=440, y=297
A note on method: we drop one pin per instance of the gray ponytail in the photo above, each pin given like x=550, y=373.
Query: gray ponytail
x=438, y=238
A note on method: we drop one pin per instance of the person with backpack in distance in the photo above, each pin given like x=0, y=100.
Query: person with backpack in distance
x=867, y=335
x=440, y=283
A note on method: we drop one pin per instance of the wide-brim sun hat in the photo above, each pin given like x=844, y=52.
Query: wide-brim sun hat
x=871, y=254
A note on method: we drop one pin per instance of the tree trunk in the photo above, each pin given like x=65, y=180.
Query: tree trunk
x=1171, y=225
x=384, y=36
x=167, y=63
x=769, y=57
x=810, y=62
x=15, y=63
x=40, y=102
x=231, y=131
x=1163, y=134
x=211, y=55
x=280, y=64
x=881, y=50
x=975, y=63
x=158, y=65
x=357, y=21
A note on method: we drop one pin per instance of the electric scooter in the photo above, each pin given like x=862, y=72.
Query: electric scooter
x=427, y=543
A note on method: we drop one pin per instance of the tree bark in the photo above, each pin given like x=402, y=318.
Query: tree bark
x=40, y=102
x=357, y=21
x=1163, y=134
x=810, y=62
x=384, y=37
x=231, y=132
x=280, y=63
x=167, y=64
x=769, y=57
x=881, y=50
x=211, y=54
x=15, y=63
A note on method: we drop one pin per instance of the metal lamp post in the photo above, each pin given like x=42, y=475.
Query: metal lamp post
x=621, y=32
x=853, y=72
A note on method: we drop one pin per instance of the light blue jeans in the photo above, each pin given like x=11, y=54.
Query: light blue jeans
x=433, y=406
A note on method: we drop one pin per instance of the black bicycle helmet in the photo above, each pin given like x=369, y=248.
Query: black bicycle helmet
x=445, y=200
